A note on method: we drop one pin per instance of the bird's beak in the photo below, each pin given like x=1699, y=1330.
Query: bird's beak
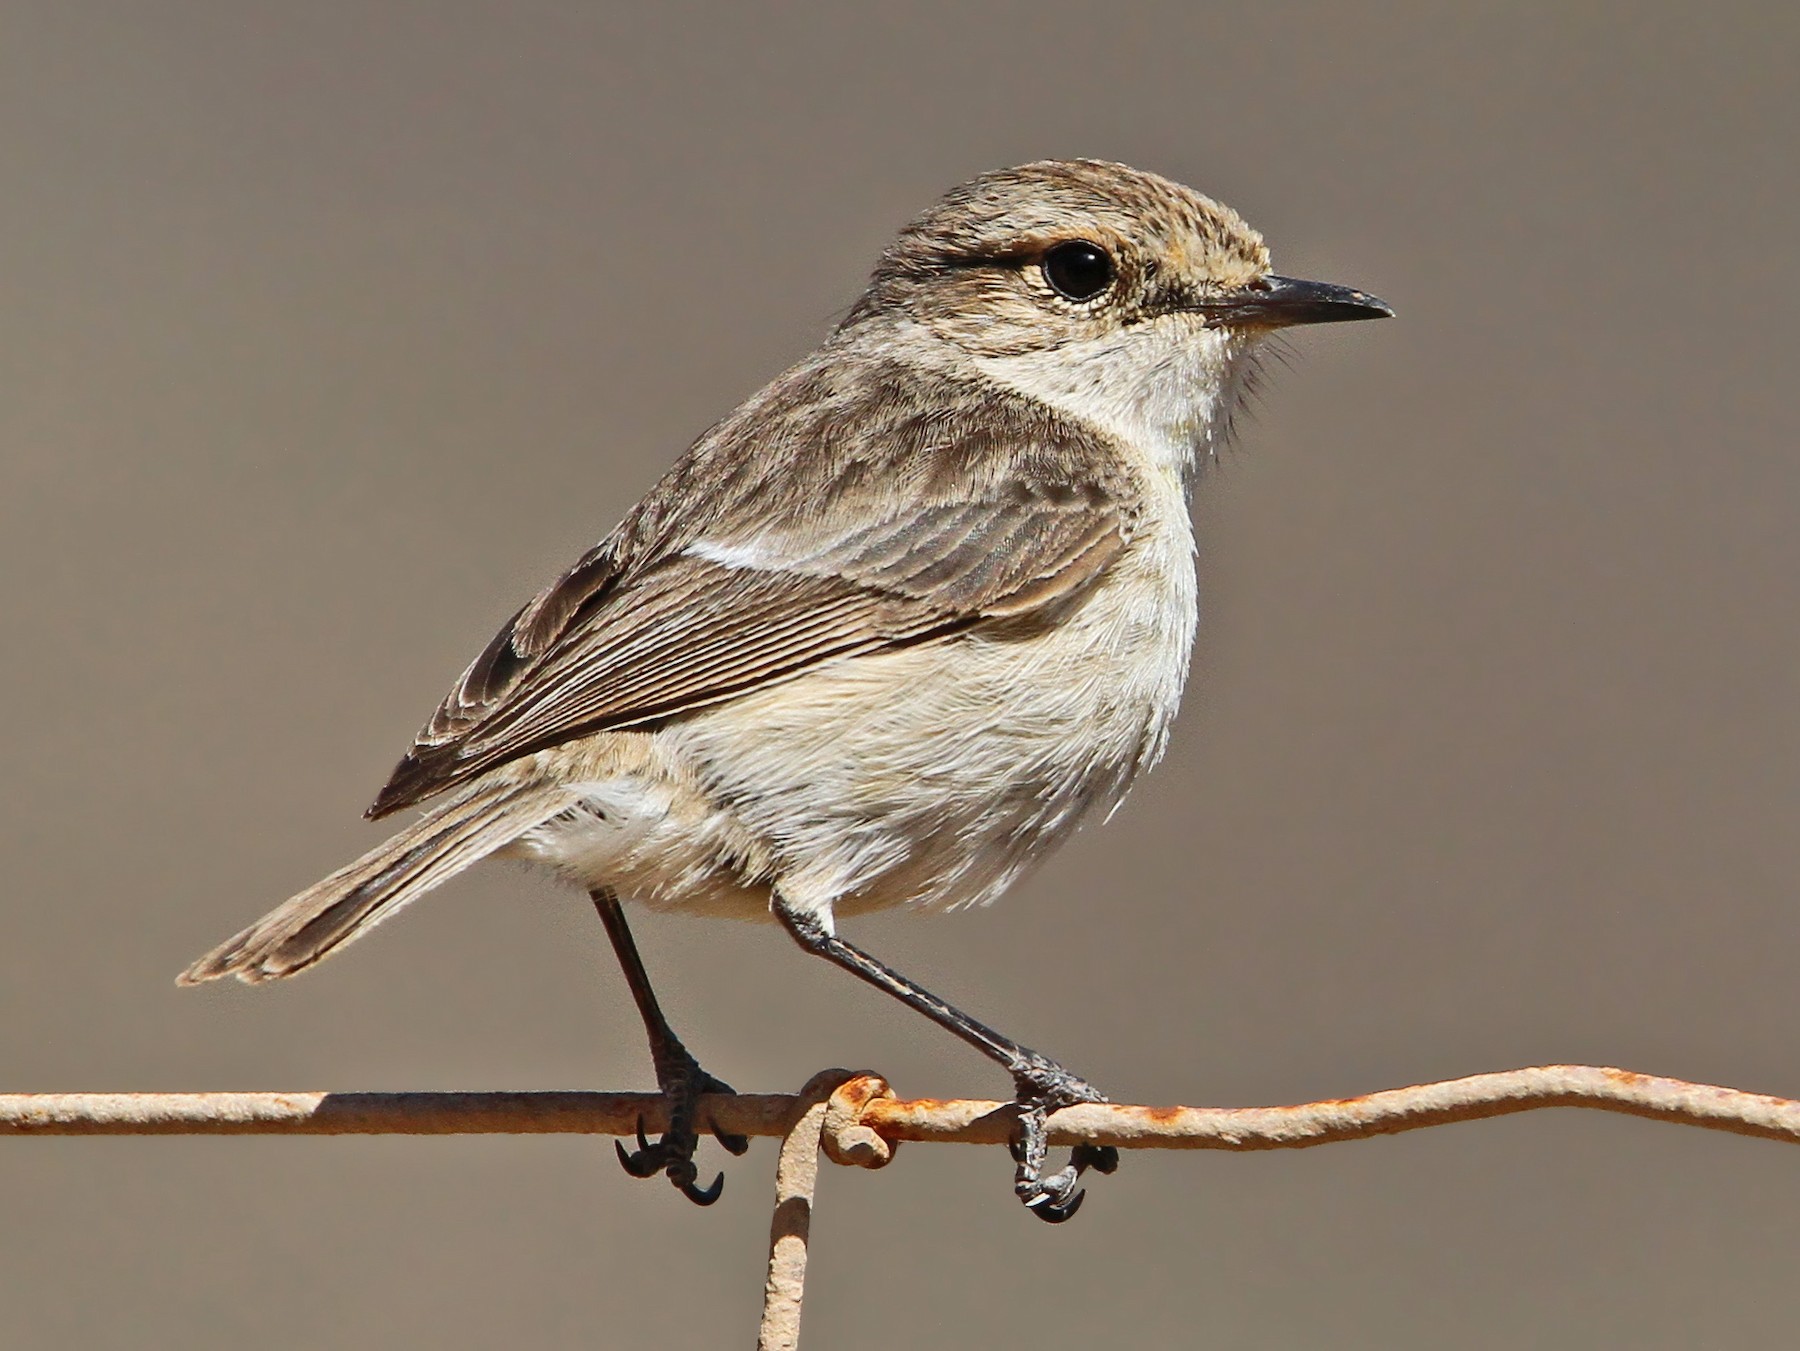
x=1277, y=302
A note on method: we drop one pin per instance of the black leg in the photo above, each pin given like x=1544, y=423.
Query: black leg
x=678, y=1074
x=1039, y=1083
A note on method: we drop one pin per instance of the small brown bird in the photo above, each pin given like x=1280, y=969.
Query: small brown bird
x=884, y=635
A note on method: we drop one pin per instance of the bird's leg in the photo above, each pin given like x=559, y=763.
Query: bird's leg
x=678, y=1074
x=1040, y=1085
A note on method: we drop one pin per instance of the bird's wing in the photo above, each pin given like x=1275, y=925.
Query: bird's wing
x=926, y=513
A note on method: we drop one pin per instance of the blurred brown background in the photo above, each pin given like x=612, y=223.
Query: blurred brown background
x=328, y=332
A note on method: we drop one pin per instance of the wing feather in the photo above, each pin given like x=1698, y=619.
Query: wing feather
x=932, y=507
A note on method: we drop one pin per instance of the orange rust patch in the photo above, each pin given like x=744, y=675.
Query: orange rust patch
x=859, y=1092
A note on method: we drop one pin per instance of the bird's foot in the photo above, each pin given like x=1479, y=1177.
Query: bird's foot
x=1042, y=1086
x=683, y=1083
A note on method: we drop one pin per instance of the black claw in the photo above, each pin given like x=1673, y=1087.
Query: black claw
x=1055, y=1212
x=738, y=1145
x=638, y=1165
x=644, y=1163
x=647, y=1161
x=1042, y=1087
x=707, y=1197
x=673, y=1154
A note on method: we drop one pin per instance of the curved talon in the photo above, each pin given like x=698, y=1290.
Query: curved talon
x=673, y=1154
x=1055, y=1212
x=641, y=1164
x=738, y=1145
x=1043, y=1087
x=706, y=1197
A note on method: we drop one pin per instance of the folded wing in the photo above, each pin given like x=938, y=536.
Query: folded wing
x=886, y=530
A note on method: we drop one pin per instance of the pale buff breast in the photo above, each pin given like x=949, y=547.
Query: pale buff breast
x=930, y=775
x=934, y=774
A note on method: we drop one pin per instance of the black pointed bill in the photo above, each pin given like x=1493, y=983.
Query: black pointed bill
x=1278, y=302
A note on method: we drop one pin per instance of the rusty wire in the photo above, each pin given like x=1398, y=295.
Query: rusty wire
x=790, y=1228
x=856, y=1120
x=869, y=1119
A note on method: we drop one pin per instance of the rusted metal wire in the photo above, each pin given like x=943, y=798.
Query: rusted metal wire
x=796, y=1177
x=530, y=1113
x=867, y=1120
x=855, y=1119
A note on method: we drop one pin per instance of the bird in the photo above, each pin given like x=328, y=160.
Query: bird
x=883, y=636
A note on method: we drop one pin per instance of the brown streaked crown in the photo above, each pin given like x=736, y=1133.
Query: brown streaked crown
x=970, y=266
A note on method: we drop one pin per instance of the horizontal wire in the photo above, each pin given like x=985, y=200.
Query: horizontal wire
x=868, y=1120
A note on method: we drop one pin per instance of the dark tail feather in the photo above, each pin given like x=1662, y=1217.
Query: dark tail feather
x=350, y=902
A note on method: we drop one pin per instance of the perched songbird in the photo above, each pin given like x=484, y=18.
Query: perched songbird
x=881, y=637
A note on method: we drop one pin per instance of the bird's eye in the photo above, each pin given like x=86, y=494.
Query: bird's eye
x=1078, y=270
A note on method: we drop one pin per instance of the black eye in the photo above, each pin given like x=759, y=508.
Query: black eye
x=1078, y=270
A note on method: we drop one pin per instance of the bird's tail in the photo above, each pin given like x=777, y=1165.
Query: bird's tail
x=354, y=899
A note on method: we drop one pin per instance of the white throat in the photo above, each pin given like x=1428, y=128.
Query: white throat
x=1166, y=388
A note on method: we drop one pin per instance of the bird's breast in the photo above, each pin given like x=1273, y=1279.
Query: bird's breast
x=935, y=773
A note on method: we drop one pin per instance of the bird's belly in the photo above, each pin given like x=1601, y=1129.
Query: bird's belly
x=936, y=774
x=637, y=824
